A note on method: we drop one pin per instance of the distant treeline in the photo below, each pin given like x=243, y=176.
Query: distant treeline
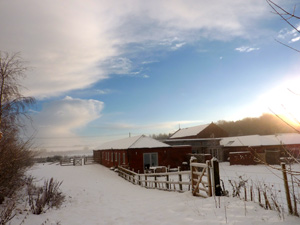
x=264, y=125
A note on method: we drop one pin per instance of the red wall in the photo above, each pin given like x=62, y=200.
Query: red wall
x=172, y=156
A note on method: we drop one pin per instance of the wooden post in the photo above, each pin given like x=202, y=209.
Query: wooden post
x=287, y=190
x=145, y=180
x=193, y=176
x=259, y=197
x=180, y=178
x=155, y=179
x=139, y=178
x=167, y=184
x=216, y=177
x=245, y=192
x=251, y=193
x=208, y=178
x=133, y=176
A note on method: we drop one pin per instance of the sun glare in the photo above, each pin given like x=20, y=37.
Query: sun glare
x=283, y=101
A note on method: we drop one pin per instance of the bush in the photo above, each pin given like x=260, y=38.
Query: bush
x=43, y=198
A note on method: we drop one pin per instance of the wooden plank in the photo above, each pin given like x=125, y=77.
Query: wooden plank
x=198, y=182
x=203, y=165
x=200, y=195
x=199, y=173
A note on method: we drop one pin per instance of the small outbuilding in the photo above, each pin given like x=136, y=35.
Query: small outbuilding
x=267, y=148
x=140, y=153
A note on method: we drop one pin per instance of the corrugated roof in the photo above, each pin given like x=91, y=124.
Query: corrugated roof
x=190, y=131
x=261, y=140
x=140, y=141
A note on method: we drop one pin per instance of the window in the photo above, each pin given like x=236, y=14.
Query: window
x=107, y=156
x=150, y=159
x=124, y=158
x=112, y=156
x=119, y=158
x=116, y=157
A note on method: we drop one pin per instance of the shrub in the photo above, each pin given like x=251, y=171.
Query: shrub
x=43, y=198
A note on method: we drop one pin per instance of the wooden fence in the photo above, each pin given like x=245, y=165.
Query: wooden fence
x=77, y=161
x=198, y=179
x=170, y=181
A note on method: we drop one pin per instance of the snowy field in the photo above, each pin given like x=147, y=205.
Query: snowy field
x=97, y=195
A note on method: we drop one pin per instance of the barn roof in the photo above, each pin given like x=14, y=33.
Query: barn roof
x=140, y=141
x=190, y=131
x=261, y=140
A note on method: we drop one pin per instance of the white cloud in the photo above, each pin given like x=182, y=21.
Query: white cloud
x=177, y=46
x=61, y=118
x=246, y=49
x=295, y=39
x=291, y=34
x=66, y=41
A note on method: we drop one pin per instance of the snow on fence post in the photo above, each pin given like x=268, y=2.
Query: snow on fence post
x=216, y=177
x=287, y=190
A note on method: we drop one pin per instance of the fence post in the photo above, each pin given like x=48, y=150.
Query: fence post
x=287, y=190
x=139, y=178
x=145, y=180
x=208, y=178
x=180, y=178
x=216, y=177
x=155, y=179
x=167, y=184
x=193, y=176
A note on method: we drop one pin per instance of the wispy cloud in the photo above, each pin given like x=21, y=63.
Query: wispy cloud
x=177, y=46
x=289, y=34
x=246, y=49
x=295, y=39
x=67, y=42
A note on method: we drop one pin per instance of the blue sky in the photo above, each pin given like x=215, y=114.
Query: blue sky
x=102, y=69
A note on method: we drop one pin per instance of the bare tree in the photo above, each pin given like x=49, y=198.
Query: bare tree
x=15, y=155
x=287, y=16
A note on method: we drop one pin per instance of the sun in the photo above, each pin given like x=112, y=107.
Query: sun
x=284, y=101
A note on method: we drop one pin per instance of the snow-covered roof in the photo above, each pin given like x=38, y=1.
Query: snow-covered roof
x=190, y=131
x=261, y=140
x=140, y=141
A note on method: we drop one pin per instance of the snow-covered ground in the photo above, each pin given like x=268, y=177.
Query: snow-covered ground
x=97, y=195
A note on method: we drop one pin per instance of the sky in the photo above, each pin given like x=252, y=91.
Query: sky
x=100, y=69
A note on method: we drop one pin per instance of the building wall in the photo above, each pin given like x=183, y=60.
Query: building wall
x=111, y=158
x=172, y=156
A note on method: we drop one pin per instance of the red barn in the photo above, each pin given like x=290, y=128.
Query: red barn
x=140, y=153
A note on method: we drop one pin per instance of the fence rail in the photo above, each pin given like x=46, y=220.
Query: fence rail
x=170, y=181
x=77, y=161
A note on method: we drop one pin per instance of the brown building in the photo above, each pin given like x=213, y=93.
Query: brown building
x=204, y=140
x=268, y=148
x=202, y=131
x=140, y=153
